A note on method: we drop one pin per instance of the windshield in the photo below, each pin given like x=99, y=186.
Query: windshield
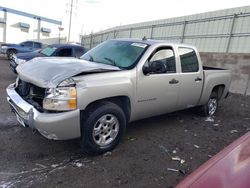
x=48, y=51
x=123, y=54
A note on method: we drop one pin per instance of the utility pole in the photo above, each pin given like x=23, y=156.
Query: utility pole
x=70, y=18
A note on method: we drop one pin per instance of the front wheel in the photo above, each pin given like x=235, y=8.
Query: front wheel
x=210, y=108
x=103, y=127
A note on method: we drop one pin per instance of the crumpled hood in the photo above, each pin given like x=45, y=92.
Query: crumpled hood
x=49, y=72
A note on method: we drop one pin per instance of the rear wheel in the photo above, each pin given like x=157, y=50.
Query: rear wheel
x=10, y=54
x=102, y=128
x=210, y=108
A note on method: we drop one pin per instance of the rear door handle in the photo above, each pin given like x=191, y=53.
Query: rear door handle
x=173, y=81
x=198, y=79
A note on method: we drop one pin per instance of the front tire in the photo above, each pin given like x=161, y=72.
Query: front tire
x=102, y=127
x=210, y=108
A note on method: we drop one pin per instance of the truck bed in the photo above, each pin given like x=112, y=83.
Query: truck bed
x=212, y=68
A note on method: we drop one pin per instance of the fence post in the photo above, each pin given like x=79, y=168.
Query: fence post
x=130, y=33
x=152, y=32
x=183, y=31
x=91, y=40
x=231, y=33
x=102, y=37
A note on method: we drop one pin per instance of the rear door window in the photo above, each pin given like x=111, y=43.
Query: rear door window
x=79, y=52
x=189, y=60
x=65, y=52
x=28, y=44
x=37, y=45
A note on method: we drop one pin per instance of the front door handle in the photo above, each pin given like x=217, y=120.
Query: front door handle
x=198, y=79
x=173, y=81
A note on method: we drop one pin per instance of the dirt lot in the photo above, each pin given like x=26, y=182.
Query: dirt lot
x=141, y=160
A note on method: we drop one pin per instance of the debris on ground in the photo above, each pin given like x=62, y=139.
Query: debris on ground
x=210, y=119
x=196, y=146
x=210, y=156
x=54, y=165
x=182, y=161
x=107, y=154
x=216, y=125
x=41, y=165
x=132, y=138
x=175, y=170
x=233, y=131
x=79, y=165
x=176, y=158
x=174, y=151
x=163, y=149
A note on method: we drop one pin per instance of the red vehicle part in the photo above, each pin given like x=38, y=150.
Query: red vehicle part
x=230, y=168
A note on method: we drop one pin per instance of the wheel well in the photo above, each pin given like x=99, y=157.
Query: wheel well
x=11, y=49
x=122, y=101
x=219, y=89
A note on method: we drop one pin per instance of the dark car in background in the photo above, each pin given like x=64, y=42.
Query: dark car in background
x=55, y=50
x=26, y=46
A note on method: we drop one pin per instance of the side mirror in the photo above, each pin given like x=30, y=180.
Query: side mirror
x=146, y=70
x=156, y=67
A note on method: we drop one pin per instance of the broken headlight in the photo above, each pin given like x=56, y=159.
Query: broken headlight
x=61, y=98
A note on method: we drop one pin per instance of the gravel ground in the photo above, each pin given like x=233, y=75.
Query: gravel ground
x=141, y=160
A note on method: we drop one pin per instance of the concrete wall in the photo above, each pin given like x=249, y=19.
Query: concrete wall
x=217, y=31
x=238, y=63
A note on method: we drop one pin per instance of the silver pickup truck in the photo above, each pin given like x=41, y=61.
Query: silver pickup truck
x=117, y=82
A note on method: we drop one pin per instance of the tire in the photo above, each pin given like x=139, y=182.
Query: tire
x=10, y=54
x=210, y=108
x=109, y=122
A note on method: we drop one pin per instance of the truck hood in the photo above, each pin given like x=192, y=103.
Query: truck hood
x=29, y=55
x=49, y=72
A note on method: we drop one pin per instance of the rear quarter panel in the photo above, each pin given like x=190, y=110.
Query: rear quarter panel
x=214, y=78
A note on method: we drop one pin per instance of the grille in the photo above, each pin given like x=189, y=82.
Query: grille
x=31, y=93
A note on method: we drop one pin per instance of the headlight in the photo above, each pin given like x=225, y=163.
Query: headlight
x=19, y=61
x=60, y=99
x=3, y=47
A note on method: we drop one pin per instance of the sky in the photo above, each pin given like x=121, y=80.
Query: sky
x=95, y=15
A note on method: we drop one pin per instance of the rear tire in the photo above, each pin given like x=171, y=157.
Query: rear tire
x=102, y=127
x=210, y=108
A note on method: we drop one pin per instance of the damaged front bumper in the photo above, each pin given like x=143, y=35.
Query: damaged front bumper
x=57, y=126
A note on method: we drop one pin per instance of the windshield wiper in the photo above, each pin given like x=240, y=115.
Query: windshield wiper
x=113, y=62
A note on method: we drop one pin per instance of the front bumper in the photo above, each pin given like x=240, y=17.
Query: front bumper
x=13, y=66
x=3, y=50
x=57, y=126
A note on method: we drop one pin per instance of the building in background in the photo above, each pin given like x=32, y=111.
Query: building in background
x=218, y=31
x=17, y=26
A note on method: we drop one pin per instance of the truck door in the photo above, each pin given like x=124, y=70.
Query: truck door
x=157, y=91
x=191, y=78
